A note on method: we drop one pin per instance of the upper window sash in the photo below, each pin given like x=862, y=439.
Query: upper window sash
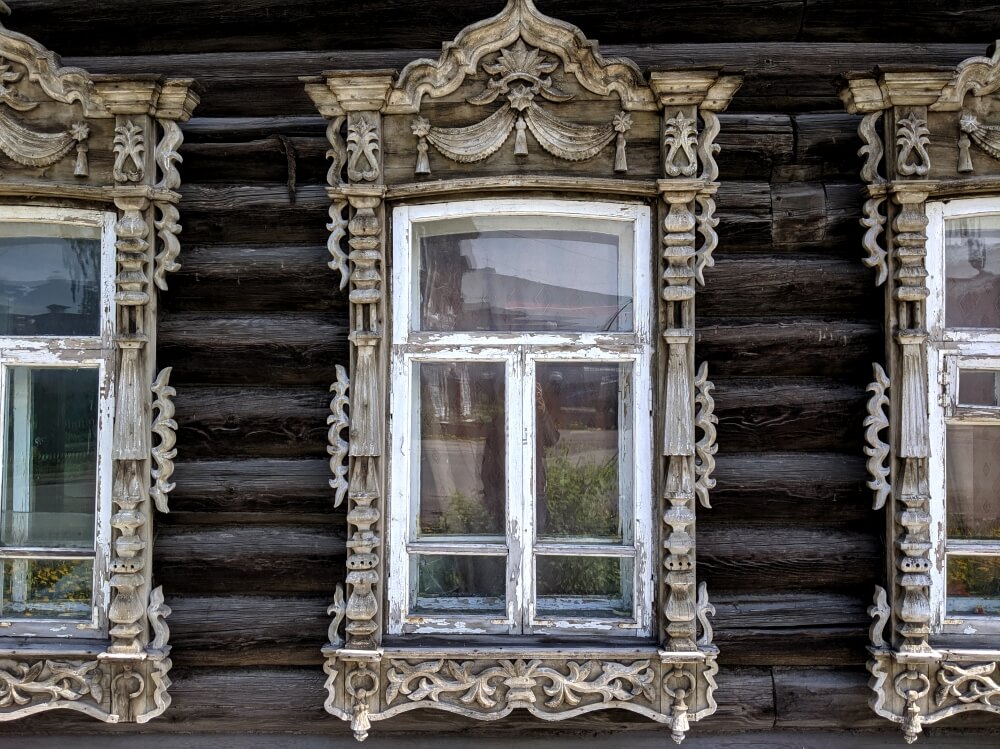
x=405, y=294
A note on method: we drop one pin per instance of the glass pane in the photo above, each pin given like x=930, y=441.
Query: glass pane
x=524, y=273
x=973, y=475
x=973, y=586
x=49, y=279
x=47, y=588
x=461, y=448
x=584, y=586
x=50, y=458
x=467, y=584
x=583, y=478
x=972, y=267
x=978, y=388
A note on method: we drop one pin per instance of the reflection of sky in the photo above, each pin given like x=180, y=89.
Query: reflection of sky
x=978, y=233
x=588, y=261
x=36, y=272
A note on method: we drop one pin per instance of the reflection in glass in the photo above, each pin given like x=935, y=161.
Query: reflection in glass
x=973, y=475
x=582, y=481
x=49, y=458
x=972, y=268
x=47, y=588
x=524, y=273
x=973, y=585
x=461, y=448
x=584, y=586
x=49, y=279
x=979, y=388
x=448, y=582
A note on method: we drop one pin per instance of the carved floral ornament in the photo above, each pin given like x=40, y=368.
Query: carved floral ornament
x=48, y=113
x=917, y=128
x=527, y=74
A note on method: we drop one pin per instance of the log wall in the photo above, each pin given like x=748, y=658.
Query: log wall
x=253, y=326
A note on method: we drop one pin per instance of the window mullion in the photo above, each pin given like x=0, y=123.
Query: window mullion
x=522, y=518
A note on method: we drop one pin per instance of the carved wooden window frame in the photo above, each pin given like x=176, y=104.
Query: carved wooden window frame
x=518, y=351
x=922, y=670
x=53, y=122
x=374, y=677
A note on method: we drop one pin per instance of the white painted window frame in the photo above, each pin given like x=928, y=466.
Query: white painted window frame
x=948, y=352
x=72, y=352
x=518, y=352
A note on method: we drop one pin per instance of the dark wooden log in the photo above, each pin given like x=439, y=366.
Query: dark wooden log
x=257, y=422
x=250, y=491
x=826, y=146
x=312, y=24
x=799, y=346
x=780, y=77
x=248, y=349
x=248, y=631
x=757, y=557
x=268, y=278
x=754, y=145
x=201, y=129
x=757, y=284
x=273, y=158
x=786, y=488
x=787, y=413
x=242, y=214
x=823, y=698
x=249, y=559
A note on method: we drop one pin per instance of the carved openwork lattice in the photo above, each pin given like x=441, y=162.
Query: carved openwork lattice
x=541, y=77
x=921, y=673
x=49, y=113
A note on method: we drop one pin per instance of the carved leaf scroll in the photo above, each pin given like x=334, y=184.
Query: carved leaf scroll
x=877, y=450
x=874, y=223
x=130, y=148
x=164, y=427
x=968, y=684
x=338, y=447
x=22, y=683
x=705, y=448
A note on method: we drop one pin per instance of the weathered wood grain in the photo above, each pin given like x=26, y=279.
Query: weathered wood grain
x=752, y=557
x=282, y=349
x=795, y=346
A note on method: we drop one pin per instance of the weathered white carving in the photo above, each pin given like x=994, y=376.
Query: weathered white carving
x=877, y=450
x=9, y=95
x=704, y=609
x=338, y=609
x=707, y=222
x=872, y=151
x=168, y=155
x=338, y=447
x=707, y=147
x=39, y=149
x=521, y=113
x=363, y=164
x=130, y=150
x=705, y=448
x=912, y=138
x=164, y=427
x=158, y=612
x=968, y=685
x=874, y=223
x=680, y=143
x=880, y=612
x=335, y=244
x=48, y=681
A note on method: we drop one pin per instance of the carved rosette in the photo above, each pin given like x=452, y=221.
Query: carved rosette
x=524, y=66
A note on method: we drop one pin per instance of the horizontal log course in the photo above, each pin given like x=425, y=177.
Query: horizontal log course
x=779, y=76
x=275, y=157
x=250, y=491
x=283, y=630
x=786, y=488
x=755, y=557
x=253, y=422
x=788, y=414
x=280, y=349
x=764, y=284
x=264, y=278
x=249, y=559
x=796, y=347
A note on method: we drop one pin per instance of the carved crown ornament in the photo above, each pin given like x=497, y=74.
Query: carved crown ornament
x=52, y=120
x=520, y=103
x=927, y=136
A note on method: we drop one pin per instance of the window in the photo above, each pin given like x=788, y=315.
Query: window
x=521, y=226
x=932, y=220
x=88, y=234
x=964, y=325
x=56, y=375
x=521, y=418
